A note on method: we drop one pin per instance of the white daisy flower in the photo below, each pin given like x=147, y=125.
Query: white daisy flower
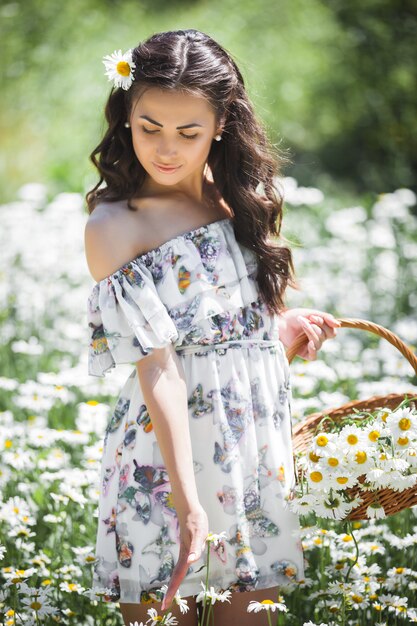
x=324, y=443
x=303, y=504
x=155, y=619
x=402, y=423
x=317, y=479
x=351, y=438
x=183, y=604
x=215, y=539
x=375, y=511
x=213, y=595
x=119, y=68
x=334, y=507
x=266, y=605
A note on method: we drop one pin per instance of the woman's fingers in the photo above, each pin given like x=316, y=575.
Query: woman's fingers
x=185, y=559
x=178, y=575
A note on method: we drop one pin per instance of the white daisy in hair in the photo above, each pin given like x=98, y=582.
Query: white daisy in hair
x=119, y=68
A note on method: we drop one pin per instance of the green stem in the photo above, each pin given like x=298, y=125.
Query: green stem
x=349, y=523
x=210, y=613
x=269, y=618
x=207, y=575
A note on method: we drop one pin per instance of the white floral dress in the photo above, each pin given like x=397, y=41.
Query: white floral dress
x=197, y=291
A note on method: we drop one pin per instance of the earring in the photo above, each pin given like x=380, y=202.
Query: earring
x=127, y=125
x=218, y=137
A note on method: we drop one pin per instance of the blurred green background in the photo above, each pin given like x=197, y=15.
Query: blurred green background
x=334, y=81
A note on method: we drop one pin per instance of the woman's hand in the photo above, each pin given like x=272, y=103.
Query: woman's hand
x=193, y=533
x=317, y=325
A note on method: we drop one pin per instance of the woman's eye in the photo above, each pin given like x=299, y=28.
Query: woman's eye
x=152, y=132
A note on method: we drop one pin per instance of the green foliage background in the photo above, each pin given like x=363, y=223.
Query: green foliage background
x=334, y=82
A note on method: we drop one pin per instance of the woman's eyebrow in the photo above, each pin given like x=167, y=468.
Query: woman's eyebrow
x=145, y=117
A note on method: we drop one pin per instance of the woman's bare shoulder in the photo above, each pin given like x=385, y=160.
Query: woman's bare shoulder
x=106, y=239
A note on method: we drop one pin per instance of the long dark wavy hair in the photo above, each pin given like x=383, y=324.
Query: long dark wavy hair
x=244, y=165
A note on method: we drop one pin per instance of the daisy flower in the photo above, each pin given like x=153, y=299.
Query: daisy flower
x=266, y=605
x=216, y=539
x=183, y=604
x=375, y=511
x=334, y=507
x=324, y=444
x=119, y=68
x=402, y=423
x=351, y=438
x=303, y=504
x=155, y=619
x=212, y=595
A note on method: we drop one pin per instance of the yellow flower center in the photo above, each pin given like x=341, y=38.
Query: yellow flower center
x=342, y=480
x=404, y=423
x=403, y=441
x=313, y=457
x=316, y=477
x=267, y=602
x=352, y=439
x=123, y=68
x=399, y=570
x=35, y=606
x=361, y=456
x=92, y=402
x=322, y=441
x=333, y=462
x=374, y=435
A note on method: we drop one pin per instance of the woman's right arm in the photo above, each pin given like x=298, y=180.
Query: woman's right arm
x=162, y=380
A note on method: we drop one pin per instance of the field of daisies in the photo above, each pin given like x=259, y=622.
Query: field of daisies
x=354, y=261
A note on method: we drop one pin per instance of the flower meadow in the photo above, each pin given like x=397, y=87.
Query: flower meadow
x=353, y=261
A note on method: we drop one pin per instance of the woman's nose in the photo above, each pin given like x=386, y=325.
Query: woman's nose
x=166, y=149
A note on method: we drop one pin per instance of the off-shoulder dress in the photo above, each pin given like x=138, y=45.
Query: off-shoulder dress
x=198, y=292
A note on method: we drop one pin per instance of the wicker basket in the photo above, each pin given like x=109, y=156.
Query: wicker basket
x=303, y=432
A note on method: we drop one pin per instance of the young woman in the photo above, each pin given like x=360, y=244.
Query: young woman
x=190, y=289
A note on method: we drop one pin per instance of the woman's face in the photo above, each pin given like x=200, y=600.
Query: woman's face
x=176, y=130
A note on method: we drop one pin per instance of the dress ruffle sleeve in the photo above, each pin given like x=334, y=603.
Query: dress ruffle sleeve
x=126, y=319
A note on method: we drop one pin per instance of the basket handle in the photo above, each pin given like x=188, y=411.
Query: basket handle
x=347, y=322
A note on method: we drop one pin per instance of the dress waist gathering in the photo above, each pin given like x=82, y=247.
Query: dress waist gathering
x=246, y=343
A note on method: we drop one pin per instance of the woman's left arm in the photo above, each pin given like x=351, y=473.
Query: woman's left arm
x=317, y=325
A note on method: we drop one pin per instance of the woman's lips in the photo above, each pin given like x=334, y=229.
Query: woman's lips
x=166, y=170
